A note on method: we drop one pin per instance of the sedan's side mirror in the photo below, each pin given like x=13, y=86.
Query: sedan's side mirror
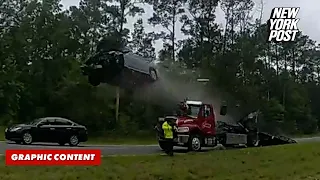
x=223, y=110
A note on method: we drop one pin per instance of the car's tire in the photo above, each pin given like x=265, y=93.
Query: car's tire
x=27, y=138
x=73, y=140
x=162, y=145
x=195, y=143
x=94, y=80
x=153, y=74
x=61, y=143
x=18, y=142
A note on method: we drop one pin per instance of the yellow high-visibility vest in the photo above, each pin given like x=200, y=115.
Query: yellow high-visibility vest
x=167, y=129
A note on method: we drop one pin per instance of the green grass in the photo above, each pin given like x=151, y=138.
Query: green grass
x=290, y=162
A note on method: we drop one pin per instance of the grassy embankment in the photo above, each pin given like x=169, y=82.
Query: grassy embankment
x=291, y=162
x=112, y=139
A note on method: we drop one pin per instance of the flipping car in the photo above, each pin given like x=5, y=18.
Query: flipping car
x=120, y=67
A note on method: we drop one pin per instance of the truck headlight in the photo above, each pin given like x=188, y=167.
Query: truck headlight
x=183, y=129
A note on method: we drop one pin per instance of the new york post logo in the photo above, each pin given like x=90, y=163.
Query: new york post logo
x=283, y=24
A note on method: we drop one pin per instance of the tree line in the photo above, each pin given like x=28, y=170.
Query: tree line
x=43, y=46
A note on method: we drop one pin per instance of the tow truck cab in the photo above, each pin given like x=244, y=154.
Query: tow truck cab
x=197, y=127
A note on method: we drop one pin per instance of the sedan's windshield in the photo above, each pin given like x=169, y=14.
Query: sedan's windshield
x=34, y=122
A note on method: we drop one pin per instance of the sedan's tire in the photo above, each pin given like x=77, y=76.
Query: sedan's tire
x=153, y=74
x=26, y=138
x=73, y=140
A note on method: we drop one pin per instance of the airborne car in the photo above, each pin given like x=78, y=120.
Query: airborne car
x=119, y=66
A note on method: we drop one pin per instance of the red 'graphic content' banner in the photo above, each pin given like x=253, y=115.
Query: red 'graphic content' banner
x=53, y=157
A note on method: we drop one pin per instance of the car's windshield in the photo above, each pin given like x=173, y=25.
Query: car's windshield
x=193, y=110
x=35, y=122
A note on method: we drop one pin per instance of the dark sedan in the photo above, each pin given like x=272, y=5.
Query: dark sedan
x=48, y=129
x=120, y=67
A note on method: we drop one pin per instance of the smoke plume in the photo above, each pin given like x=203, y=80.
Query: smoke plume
x=172, y=89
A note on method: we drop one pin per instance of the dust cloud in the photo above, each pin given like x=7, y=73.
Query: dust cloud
x=169, y=90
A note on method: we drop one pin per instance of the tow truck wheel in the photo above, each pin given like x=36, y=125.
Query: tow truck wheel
x=194, y=143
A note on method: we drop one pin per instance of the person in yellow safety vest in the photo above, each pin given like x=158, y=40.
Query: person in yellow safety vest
x=168, y=129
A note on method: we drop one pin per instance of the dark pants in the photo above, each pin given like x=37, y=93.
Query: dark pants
x=169, y=147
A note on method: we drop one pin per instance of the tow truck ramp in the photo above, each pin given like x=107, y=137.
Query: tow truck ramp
x=266, y=139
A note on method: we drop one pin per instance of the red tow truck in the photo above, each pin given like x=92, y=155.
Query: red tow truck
x=198, y=127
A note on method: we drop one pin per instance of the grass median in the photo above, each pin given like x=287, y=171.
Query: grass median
x=292, y=162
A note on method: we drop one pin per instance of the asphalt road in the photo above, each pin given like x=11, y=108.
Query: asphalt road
x=116, y=149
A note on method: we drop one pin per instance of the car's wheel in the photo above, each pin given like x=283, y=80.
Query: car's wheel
x=153, y=74
x=94, y=80
x=27, y=138
x=73, y=140
x=194, y=143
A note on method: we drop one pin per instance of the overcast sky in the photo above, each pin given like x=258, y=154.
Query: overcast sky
x=309, y=11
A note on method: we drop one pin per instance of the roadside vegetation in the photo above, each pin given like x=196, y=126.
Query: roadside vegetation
x=43, y=45
x=298, y=162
